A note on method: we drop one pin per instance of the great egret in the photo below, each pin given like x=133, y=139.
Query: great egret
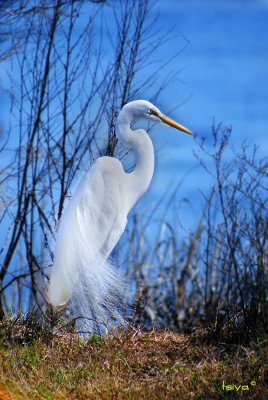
x=95, y=218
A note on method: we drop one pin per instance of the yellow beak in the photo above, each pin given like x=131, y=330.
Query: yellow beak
x=174, y=124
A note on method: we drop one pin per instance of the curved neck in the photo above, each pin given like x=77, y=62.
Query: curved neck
x=139, y=140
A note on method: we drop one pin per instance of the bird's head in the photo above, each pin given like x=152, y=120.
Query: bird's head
x=146, y=110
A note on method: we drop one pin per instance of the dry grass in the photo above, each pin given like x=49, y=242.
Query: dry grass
x=132, y=365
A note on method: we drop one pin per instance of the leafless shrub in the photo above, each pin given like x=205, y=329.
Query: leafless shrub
x=236, y=235
x=62, y=93
x=218, y=274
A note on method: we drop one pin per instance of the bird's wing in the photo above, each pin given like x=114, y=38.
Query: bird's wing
x=101, y=211
x=90, y=227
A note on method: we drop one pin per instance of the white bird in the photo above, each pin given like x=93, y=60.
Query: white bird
x=94, y=220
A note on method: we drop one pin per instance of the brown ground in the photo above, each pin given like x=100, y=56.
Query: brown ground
x=157, y=365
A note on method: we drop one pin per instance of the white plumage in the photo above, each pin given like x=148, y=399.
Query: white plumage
x=94, y=220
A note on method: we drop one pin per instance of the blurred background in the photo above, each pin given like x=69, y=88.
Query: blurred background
x=195, y=249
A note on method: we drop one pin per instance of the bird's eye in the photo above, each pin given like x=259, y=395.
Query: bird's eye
x=153, y=112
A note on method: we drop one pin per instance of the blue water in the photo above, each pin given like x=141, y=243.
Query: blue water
x=223, y=68
x=224, y=75
x=225, y=64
